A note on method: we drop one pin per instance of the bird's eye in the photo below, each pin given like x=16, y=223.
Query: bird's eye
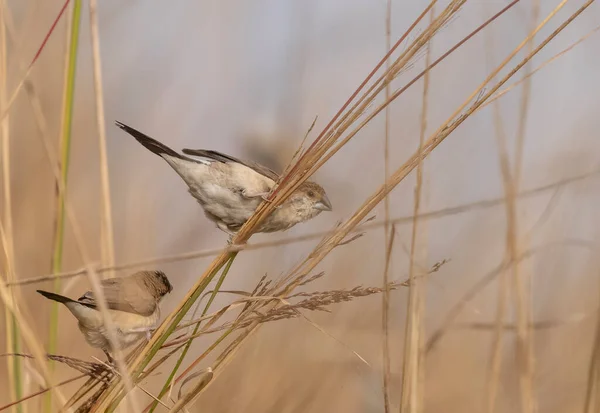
x=311, y=194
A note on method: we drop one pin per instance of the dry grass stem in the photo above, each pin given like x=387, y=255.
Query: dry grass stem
x=496, y=355
x=521, y=280
x=13, y=339
x=387, y=236
x=411, y=391
x=106, y=227
x=592, y=395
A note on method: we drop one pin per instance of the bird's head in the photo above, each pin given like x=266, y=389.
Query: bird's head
x=310, y=200
x=161, y=283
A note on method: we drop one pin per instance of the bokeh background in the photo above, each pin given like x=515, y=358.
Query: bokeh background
x=248, y=78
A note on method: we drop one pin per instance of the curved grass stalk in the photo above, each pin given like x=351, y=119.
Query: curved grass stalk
x=65, y=148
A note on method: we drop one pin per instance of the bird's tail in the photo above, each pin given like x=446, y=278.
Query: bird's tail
x=56, y=297
x=151, y=144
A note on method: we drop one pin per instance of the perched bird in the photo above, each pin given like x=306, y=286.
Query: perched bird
x=230, y=189
x=132, y=303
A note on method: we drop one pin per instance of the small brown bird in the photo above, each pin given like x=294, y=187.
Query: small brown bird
x=230, y=189
x=132, y=303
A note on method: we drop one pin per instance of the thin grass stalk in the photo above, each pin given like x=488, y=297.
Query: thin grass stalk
x=592, y=393
x=13, y=337
x=419, y=380
x=385, y=319
x=112, y=397
x=522, y=279
x=185, y=350
x=409, y=401
x=106, y=226
x=496, y=355
x=385, y=298
x=65, y=145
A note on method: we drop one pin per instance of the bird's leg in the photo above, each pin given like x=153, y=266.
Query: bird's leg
x=147, y=331
x=250, y=194
x=223, y=227
x=111, y=361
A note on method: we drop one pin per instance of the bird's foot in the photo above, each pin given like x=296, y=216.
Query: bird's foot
x=110, y=361
x=263, y=195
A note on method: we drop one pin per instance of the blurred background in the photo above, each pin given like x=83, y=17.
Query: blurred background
x=248, y=79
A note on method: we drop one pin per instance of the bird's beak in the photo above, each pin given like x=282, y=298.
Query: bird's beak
x=324, y=204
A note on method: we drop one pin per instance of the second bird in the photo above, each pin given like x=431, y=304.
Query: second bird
x=230, y=189
x=132, y=303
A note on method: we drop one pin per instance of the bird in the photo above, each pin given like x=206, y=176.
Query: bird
x=230, y=189
x=132, y=303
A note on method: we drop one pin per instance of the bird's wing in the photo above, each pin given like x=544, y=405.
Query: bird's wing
x=221, y=157
x=124, y=294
